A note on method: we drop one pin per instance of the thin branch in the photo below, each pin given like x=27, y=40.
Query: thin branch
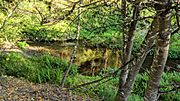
x=177, y=17
x=75, y=47
x=9, y=15
x=62, y=17
x=68, y=13
x=144, y=18
x=175, y=31
x=25, y=11
x=91, y=4
x=93, y=87
x=105, y=77
x=41, y=15
x=177, y=20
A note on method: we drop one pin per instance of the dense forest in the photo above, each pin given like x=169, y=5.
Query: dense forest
x=97, y=50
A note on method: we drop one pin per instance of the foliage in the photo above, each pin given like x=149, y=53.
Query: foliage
x=174, y=51
x=140, y=84
x=22, y=44
x=38, y=69
x=46, y=68
x=167, y=81
x=101, y=26
x=134, y=97
x=16, y=65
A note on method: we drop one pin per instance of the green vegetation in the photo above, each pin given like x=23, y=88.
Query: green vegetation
x=101, y=27
x=49, y=69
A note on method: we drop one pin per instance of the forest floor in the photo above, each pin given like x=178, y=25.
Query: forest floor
x=14, y=89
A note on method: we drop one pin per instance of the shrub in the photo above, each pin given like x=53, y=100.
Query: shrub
x=22, y=44
x=41, y=69
x=15, y=64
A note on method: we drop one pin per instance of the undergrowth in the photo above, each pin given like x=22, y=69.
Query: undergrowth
x=49, y=69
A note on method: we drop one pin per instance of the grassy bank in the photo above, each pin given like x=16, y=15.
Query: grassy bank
x=49, y=69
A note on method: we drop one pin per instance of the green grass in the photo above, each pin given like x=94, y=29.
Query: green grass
x=49, y=69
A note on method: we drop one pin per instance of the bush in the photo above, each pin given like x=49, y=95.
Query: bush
x=41, y=69
x=16, y=65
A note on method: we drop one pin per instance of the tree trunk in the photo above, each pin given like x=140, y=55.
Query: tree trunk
x=123, y=74
x=124, y=92
x=128, y=37
x=161, y=52
x=75, y=47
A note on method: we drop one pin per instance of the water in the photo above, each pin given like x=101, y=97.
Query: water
x=89, y=60
x=92, y=60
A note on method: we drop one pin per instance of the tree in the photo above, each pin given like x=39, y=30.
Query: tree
x=75, y=47
x=128, y=39
x=124, y=92
x=161, y=51
x=159, y=29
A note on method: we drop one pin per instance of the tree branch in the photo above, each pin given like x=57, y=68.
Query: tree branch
x=62, y=17
x=68, y=13
x=41, y=15
x=105, y=77
x=9, y=15
x=75, y=47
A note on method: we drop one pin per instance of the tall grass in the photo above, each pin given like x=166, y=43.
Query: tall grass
x=49, y=69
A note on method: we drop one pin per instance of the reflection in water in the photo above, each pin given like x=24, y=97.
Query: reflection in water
x=90, y=61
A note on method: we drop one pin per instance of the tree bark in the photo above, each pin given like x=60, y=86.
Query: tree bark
x=123, y=76
x=128, y=37
x=124, y=92
x=75, y=47
x=161, y=52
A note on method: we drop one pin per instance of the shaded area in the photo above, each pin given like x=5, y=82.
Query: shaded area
x=89, y=60
x=171, y=64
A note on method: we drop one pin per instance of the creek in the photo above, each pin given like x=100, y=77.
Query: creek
x=91, y=60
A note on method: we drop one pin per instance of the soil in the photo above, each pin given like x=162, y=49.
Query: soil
x=15, y=89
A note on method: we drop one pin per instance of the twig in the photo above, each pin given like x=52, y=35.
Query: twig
x=62, y=17
x=69, y=12
x=108, y=75
x=9, y=15
x=90, y=4
x=41, y=15
x=100, y=83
